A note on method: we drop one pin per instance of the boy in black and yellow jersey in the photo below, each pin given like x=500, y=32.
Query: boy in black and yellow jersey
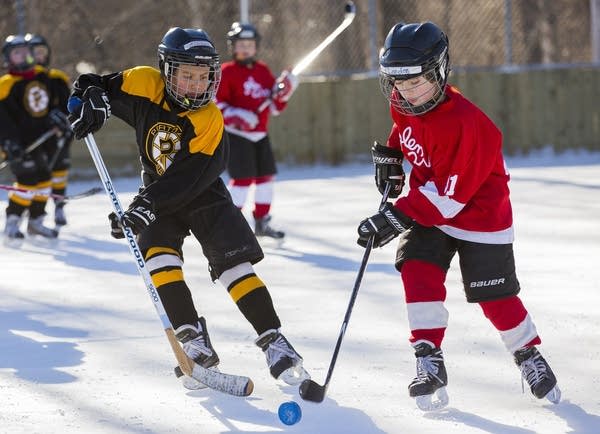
x=183, y=151
x=30, y=106
x=58, y=148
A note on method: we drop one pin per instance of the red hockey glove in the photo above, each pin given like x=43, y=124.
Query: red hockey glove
x=285, y=85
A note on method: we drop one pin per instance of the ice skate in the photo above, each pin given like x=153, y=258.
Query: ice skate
x=197, y=346
x=536, y=371
x=59, y=214
x=35, y=226
x=263, y=229
x=284, y=362
x=429, y=386
x=11, y=230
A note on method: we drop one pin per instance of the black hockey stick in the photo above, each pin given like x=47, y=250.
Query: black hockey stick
x=37, y=143
x=309, y=389
x=349, y=14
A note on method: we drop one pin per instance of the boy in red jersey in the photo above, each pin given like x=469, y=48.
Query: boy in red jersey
x=246, y=85
x=458, y=202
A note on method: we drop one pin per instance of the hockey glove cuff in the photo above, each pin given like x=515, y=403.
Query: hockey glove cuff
x=384, y=226
x=13, y=150
x=388, y=168
x=240, y=119
x=140, y=214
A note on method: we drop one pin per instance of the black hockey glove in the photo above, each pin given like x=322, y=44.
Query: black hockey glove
x=60, y=121
x=13, y=150
x=388, y=168
x=116, y=230
x=139, y=215
x=386, y=225
x=91, y=114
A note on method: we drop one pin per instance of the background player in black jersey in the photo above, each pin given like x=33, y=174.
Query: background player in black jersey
x=58, y=148
x=30, y=105
x=183, y=151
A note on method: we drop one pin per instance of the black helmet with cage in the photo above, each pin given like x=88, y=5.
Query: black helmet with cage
x=409, y=51
x=189, y=47
x=40, y=49
x=20, y=63
x=242, y=31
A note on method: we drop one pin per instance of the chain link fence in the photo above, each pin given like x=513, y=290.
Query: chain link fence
x=113, y=35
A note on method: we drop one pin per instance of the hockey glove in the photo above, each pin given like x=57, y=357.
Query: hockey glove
x=13, y=150
x=240, y=119
x=116, y=230
x=285, y=85
x=60, y=121
x=93, y=112
x=386, y=225
x=140, y=214
x=388, y=168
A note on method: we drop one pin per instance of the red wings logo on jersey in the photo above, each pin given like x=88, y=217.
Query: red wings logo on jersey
x=162, y=144
x=413, y=150
x=36, y=99
x=254, y=89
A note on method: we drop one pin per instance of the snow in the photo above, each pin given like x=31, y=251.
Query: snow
x=82, y=350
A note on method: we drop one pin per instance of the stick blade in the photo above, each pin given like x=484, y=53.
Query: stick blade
x=311, y=391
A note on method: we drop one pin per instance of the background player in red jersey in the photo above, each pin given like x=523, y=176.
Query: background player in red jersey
x=246, y=83
x=458, y=202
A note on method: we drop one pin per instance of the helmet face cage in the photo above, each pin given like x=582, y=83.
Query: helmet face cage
x=180, y=51
x=436, y=72
x=240, y=32
x=39, y=48
x=196, y=93
x=410, y=51
x=11, y=43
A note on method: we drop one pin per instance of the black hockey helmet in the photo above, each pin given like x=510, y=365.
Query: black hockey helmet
x=11, y=42
x=40, y=48
x=188, y=47
x=240, y=31
x=411, y=50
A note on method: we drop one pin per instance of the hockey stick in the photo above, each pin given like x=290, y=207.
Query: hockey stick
x=38, y=142
x=67, y=197
x=309, y=389
x=231, y=384
x=349, y=14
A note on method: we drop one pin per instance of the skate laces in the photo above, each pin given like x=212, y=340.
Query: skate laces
x=428, y=366
x=278, y=349
x=533, y=370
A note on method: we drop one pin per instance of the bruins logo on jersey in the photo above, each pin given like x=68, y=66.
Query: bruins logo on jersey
x=36, y=99
x=162, y=144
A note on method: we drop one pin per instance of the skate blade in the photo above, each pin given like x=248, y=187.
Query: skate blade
x=554, y=395
x=433, y=402
x=192, y=384
x=294, y=375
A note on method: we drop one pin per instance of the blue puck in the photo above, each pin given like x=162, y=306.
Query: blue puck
x=289, y=413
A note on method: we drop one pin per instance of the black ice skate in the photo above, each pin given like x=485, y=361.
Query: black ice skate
x=35, y=226
x=197, y=346
x=284, y=362
x=263, y=229
x=59, y=213
x=11, y=230
x=536, y=371
x=429, y=386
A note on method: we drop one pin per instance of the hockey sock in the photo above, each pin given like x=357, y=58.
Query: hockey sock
x=263, y=196
x=59, y=181
x=238, y=188
x=425, y=294
x=510, y=318
x=164, y=265
x=251, y=297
